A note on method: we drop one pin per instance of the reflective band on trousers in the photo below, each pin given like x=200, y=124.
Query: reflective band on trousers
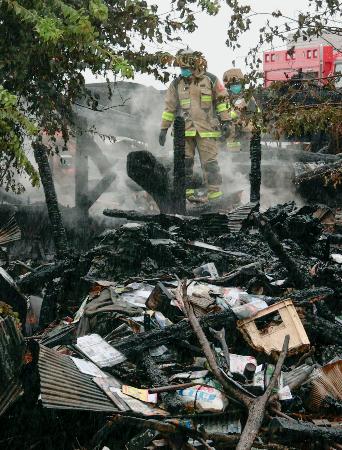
x=210, y=134
x=168, y=116
x=185, y=101
x=221, y=107
x=203, y=134
x=206, y=98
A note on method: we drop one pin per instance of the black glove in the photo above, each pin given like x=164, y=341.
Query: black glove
x=162, y=137
x=225, y=127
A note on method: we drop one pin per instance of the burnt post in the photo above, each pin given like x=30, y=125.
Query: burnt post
x=57, y=226
x=81, y=177
x=255, y=174
x=179, y=166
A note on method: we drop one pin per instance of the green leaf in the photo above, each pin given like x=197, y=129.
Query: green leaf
x=98, y=10
x=48, y=29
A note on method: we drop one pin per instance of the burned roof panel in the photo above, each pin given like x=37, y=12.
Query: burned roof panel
x=11, y=361
x=63, y=386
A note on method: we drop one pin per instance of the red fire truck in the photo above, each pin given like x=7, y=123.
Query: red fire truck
x=317, y=61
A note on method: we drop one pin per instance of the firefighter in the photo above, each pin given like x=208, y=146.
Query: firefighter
x=202, y=100
x=241, y=112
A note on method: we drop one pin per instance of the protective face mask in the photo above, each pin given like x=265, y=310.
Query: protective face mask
x=235, y=88
x=186, y=73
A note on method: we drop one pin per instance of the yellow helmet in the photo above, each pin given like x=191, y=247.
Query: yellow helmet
x=232, y=76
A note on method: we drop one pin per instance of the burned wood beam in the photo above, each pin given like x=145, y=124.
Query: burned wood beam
x=97, y=156
x=81, y=177
x=100, y=188
x=171, y=399
x=322, y=330
x=134, y=345
x=306, y=297
x=57, y=226
x=36, y=279
x=298, y=276
x=179, y=166
x=165, y=427
x=255, y=174
x=290, y=432
x=151, y=175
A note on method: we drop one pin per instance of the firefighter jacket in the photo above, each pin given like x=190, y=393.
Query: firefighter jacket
x=201, y=101
x=242, y=114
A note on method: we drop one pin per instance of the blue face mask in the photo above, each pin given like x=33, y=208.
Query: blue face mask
x=185, y=72
x=235, y=88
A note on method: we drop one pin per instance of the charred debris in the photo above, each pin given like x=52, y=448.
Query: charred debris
x=188, y=329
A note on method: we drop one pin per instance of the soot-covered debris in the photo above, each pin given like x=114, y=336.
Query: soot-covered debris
x=178, y=332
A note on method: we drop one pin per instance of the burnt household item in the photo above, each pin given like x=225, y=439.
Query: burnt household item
x=326, y=382
x=161, y=299
x=179, y=166
x=267, y=329
x=249, y=371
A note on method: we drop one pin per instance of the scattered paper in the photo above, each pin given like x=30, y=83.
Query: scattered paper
x=88, y=367
x=99, y=351
x=140, y=394
x=285, y=393
x=239, y=362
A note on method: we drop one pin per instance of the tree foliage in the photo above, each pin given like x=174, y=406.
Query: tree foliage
x=46, y=46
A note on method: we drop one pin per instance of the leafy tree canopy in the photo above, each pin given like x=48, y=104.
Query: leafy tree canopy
x=45, y=46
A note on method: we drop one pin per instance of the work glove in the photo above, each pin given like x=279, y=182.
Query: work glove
x=225, y=128
x=162, y=137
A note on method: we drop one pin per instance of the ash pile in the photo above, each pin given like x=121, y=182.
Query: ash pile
x=217, y=331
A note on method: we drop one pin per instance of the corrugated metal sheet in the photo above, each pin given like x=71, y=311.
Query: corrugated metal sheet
x=63, y=386
x=60, y=335
x=237, y=217
x=9, y=394
x=11, y=360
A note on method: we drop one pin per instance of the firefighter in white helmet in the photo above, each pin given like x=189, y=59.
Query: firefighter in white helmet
x=202, y=100
x=241, y=112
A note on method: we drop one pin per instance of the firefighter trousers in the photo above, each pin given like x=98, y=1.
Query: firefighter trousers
x=208, y=153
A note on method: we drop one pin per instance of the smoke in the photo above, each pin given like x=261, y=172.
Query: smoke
x=135, y=124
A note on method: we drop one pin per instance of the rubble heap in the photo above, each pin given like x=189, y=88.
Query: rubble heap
x=180, y=332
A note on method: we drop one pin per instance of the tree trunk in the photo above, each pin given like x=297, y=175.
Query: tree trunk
x=58, y=230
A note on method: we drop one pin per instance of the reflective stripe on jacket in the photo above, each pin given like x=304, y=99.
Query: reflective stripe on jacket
x=200, y=101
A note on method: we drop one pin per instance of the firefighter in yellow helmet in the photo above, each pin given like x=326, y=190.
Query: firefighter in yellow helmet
x=241, y=112
x=202, y=100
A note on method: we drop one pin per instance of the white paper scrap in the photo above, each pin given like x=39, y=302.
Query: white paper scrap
x=88, y=367
x=99, y=351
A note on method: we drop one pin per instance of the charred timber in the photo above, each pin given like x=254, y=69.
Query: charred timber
x=151, y=175
x=171, y=400
x=58, y=230
x=255, y=174
x=296, y=274
x=179, y=166
x=289, y=431
x=136, y=344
